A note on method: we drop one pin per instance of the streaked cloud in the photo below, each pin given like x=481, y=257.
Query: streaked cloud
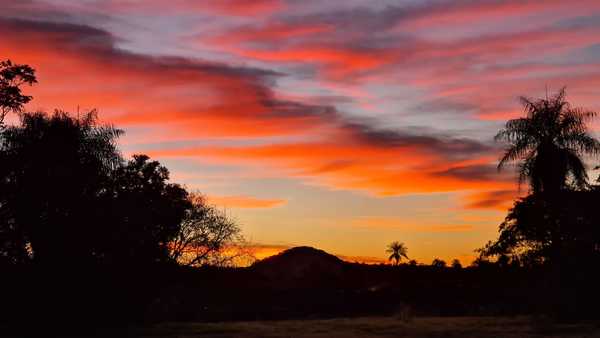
x=374, y=99
x=245, y=202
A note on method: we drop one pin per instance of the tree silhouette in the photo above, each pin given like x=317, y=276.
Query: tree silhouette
x=456, y=264
x=146, y=212
x=54, y=168
x=539, y=229
x=397, y=250
x=206, y=236
x=550, y=143
x=67, y=197
x=12, y=77
x=438, y=263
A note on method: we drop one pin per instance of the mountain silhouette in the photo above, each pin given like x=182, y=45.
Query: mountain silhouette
x=301, y=267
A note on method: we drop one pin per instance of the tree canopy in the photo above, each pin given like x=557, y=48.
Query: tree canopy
x=549, y=143
x=12, y=77
x=54, y=170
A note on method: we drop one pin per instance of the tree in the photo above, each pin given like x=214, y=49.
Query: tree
x=67, y=197
x=53, y=170
x=549, y=143
x=538, y=229
x=146, y=212
x=456, y=264
x=12, y=77
x=438, y=263
x=397, y=250
x=481, y=262
x=206, y=236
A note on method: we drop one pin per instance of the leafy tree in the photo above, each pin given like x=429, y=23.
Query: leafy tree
x=539, y=228
x=146, y=212
x=456, y=264
x=397, y=250
x=206, y=236
x=550, y=143
x=438, y=263
x=12, y=77
x=53, y=170
x=67, y=197
x=481, y=262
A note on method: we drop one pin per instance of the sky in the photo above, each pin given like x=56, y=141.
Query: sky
x=343, y=125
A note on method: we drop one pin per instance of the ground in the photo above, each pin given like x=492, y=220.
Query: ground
x=381, y=327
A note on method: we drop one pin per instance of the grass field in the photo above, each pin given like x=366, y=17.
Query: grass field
x=379, y=327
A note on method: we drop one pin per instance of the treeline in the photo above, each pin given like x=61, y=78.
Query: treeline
x=85, y=234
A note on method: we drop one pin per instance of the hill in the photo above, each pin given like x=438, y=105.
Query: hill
x=301, y=267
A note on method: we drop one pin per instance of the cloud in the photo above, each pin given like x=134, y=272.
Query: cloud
x=501, y=200
x=203, y=99
x=472, y=70
x=269, y=33
x=447, y=146
x=247, y=202
x=295, y=136
x=191, y=95
x=372, y=168
x=235, y=8
x=477, y=172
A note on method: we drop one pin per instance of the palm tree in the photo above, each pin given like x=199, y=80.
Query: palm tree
x=549, y=143
x=397, y=250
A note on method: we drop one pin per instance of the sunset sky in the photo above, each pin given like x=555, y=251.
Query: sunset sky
x=342, y=125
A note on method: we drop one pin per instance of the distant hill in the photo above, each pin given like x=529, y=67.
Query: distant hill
x=301, y=267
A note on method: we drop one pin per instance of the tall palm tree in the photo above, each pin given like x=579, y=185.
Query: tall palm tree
x=397, y=250
x=549, y=143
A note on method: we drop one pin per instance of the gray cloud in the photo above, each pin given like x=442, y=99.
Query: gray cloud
x=100, y=46
x=479, y=172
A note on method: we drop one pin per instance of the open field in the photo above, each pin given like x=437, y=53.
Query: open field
x=380, y=327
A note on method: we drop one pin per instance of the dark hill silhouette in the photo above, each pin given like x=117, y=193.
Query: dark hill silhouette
x=301, y=267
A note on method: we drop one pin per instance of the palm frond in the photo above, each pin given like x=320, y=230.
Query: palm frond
x=577, y=169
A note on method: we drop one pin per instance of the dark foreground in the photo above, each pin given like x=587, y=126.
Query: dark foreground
x=381, y=327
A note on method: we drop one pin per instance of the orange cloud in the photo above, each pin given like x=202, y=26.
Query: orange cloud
x=501, y=200
x=244, y=202
x=192, y=97
x=206, y=99
x=334, y=62
x=350, y=165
